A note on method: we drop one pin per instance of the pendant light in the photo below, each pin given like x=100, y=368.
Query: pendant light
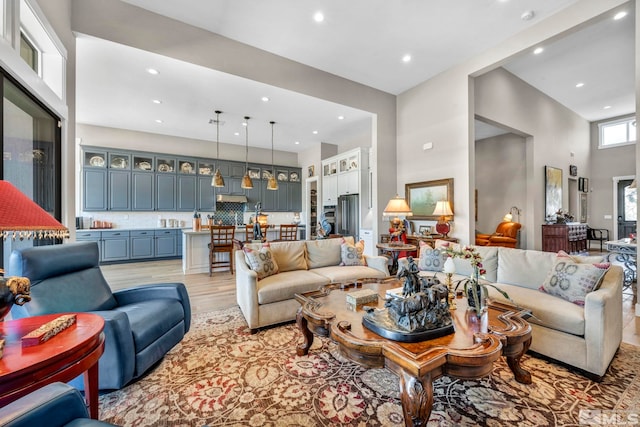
x=246, y=179
x=217, y=180
x=272, y=184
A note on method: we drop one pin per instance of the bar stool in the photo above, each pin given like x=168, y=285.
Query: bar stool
x=221, y=242
x=288, y=232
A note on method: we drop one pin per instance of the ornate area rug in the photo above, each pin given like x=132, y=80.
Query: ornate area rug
x=221, y=375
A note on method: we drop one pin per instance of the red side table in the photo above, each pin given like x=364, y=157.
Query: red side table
x=74, y=351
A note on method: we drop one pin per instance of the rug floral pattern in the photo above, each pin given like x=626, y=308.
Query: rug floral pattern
x=221, y=375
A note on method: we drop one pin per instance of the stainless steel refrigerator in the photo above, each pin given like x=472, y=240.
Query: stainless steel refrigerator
x=347, y=216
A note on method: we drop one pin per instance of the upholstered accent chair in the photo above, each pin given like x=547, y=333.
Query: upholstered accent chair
x=54, y=405
x=142, y=323
x=506, y=235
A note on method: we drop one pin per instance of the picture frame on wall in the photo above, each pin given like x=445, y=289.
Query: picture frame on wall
x=583, y=208
x=423, y=196
x=573, y=170
x=552, y=190
x=583, y=184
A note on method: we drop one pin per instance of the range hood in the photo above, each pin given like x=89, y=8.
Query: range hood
x=231, y=199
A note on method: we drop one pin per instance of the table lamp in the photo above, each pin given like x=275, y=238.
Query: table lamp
x=396, y=208
x=443, y=208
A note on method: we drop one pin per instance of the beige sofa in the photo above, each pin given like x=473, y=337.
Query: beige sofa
x=303, y=266
x=585, y=337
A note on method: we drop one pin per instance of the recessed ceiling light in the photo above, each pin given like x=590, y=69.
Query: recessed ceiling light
x=620, y=15
x=579, y=84
x=265, y=99
x=158, y=121
x=157, y=101
x=315, y=132
x=236, y=133
x=297, y=142
x=538, y=50
x=318, y=16
x=527, y=15
x=244, y=123
x=153, y=71
x=406, y=58
x=340, y=117
x=606, y=107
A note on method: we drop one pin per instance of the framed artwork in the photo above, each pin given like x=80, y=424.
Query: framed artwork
x=573, y=170
x=423, y=196
x=583, y=185
x=583, y=208
x=552, y=190
x=312, y=170
x=425, y=230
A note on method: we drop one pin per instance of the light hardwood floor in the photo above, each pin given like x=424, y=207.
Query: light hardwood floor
x=218, y=292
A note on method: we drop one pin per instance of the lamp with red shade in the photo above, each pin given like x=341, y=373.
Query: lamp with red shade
x=20, y=219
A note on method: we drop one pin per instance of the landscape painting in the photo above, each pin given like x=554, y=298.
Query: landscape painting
x=423, y=196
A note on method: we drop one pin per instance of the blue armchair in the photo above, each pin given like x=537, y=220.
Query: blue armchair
x=54, y=405
x=141, y=323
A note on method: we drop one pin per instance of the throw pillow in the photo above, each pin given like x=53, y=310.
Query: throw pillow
x=572, y=281
x=430, y=259
x=261, y=261
x=582, y=259
x=352, y=254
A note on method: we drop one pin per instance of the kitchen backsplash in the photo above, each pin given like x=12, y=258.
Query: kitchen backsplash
x=224, y=212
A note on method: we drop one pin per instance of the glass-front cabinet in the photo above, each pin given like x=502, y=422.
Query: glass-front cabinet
x=142, y=163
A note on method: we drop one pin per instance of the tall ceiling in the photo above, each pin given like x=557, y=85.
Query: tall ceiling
x=361, y=40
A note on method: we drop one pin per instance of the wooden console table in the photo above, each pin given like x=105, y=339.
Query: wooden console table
x=571, y=238
x=74, y=351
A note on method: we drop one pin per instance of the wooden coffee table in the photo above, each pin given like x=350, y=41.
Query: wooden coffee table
x=468, y=353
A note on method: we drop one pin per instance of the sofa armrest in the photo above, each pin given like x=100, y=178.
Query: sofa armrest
x=159, y=290
x=247, y=290
x=53, y=405
x=378, y=262
x=603, y=320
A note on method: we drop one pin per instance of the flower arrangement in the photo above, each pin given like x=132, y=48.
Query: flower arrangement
x=476, y=292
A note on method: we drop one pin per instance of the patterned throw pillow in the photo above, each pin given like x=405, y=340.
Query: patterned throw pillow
x=261, y=261
x=352, y=254
x=431, y=259
x=572, y=281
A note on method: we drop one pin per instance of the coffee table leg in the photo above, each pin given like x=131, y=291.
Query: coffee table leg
x=91, y=390
x=416, y=395
x=513, y=360
x=307, y=335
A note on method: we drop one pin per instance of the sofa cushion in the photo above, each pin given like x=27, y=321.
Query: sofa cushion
x=430, y=259
x=324, y=252
x=352, y=254
x=527, y=268
x=548, y=310
x=340, y=274
x=572, y=281
x=288, y=255
x=261, y=261
x=489, y=256
x=283, y=286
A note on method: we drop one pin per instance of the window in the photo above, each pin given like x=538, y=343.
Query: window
x=630, y=204
x=29, y=53
x=617, y=132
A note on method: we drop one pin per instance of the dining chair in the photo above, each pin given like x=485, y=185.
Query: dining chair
x=221, y=242
x=288, y=232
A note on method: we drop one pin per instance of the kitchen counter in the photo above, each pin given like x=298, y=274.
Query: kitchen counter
x=195, y=252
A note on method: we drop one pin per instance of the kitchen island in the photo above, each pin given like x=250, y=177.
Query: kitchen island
x=195, y=251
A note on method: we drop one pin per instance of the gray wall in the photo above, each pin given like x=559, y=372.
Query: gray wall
x=501, y=180
x=605, y=164
x=558, y=138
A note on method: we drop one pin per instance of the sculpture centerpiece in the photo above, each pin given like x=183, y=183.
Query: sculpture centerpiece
x=419, y=312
